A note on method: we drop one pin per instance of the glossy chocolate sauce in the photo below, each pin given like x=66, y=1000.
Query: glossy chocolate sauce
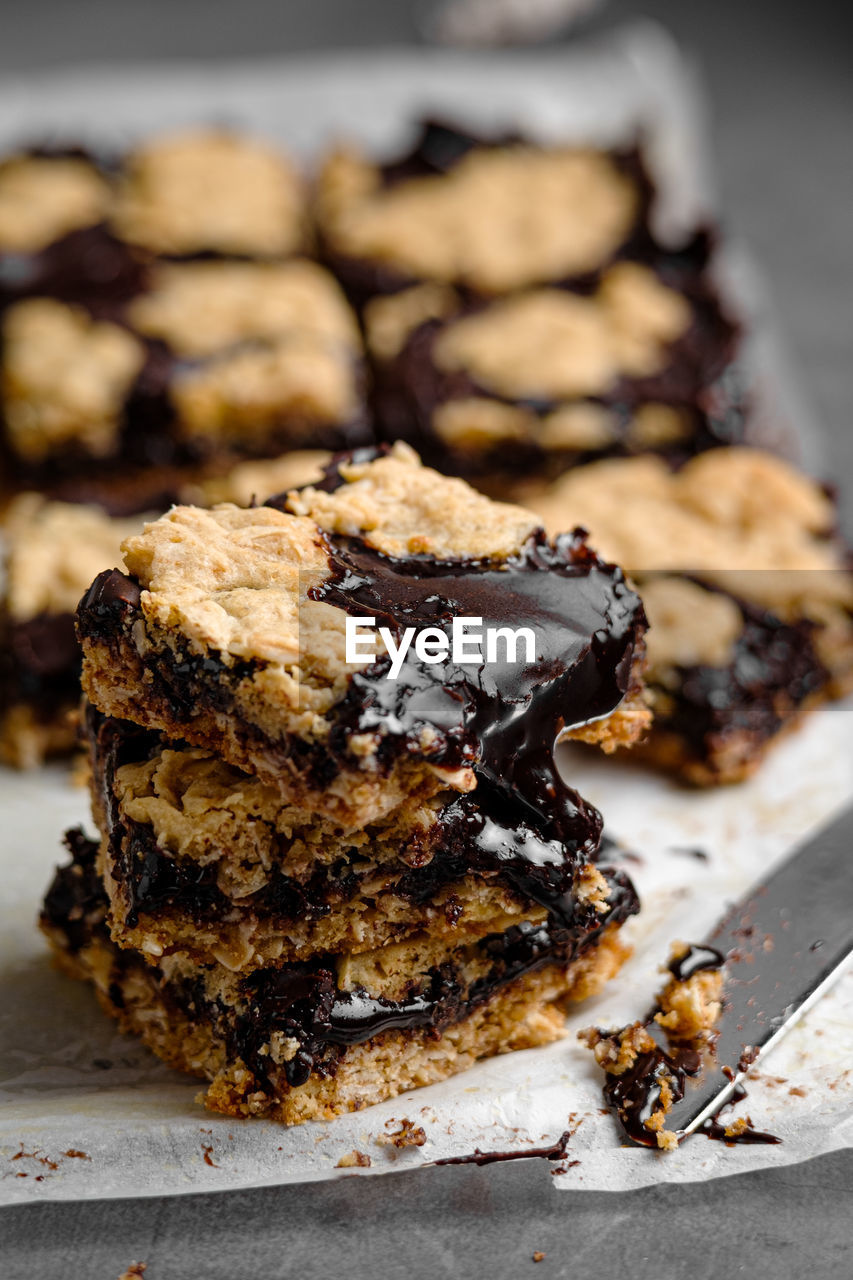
x=302, y=1001
x=694, y=960
x=656, y=1079
x=555, y=1151
x=501, y=718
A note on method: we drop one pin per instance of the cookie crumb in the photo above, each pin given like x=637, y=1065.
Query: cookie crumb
x=354, y=1159
x=538, y=1256
x=408, y=1135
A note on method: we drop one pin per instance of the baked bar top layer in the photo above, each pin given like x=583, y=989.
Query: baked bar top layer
x=208, y=356
x=43, y=198
x=745, y=520
x=494, y=217
x=208, y=190
x=246, y=610
x=550, y=344
x=249, y=483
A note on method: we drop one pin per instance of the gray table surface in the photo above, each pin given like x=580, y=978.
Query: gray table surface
x=782, y=95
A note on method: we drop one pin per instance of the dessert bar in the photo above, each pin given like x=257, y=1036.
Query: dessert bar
x=80, y=226
x=310, y=1040
x=748, y=591
x=211, y=362
x=52, y=551
x=325, y=877
x=490, y=216
x=228, y=631
x=538, y=381
x=204, y=861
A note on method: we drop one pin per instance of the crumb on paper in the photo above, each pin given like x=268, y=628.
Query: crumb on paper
x=208, y=1156
x=354, y=1160
x=408, y=1135
x=135, y=1271
x=539, y=1256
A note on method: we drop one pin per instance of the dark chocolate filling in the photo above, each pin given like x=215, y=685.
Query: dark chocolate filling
x=775, y=669
x=302, y=1001
x=39, y=664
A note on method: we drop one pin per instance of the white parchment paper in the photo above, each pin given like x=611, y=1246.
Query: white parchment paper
x=85, y=1112
x=70, y=1083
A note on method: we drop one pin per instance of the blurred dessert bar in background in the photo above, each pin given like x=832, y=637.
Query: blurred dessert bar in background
x=521, y=313
x=51, y=551
x=748, y=589
x=156, y=319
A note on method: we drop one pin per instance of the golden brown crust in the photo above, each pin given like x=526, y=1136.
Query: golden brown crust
x=501, y=218
x=211, y=190
x=554, y=345
x=65, y=379
x=43, y=198
x=251, y=483
x=200, y=308
x=53, y=552
x=735, y=516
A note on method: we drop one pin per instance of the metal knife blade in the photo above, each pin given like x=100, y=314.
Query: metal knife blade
x=784, y=944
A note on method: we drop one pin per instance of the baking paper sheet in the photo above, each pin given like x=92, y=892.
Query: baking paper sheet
x=70, y=1083
x=85, y=1112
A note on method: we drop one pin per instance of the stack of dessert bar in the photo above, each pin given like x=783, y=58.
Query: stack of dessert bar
x=156, y=315
x=748, y=590
x=521, y=314
x=321, y=882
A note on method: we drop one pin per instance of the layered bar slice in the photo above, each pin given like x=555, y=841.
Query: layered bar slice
x=311, y=1040
x=203, y=861
x=748, y=590
x=52, y=551
x=229, y=631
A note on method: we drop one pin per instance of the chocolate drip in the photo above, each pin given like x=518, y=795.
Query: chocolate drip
x=638, y=1094
x=694, y=960
x=501, y=718
x=746, y=1136
x=556, y=1151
